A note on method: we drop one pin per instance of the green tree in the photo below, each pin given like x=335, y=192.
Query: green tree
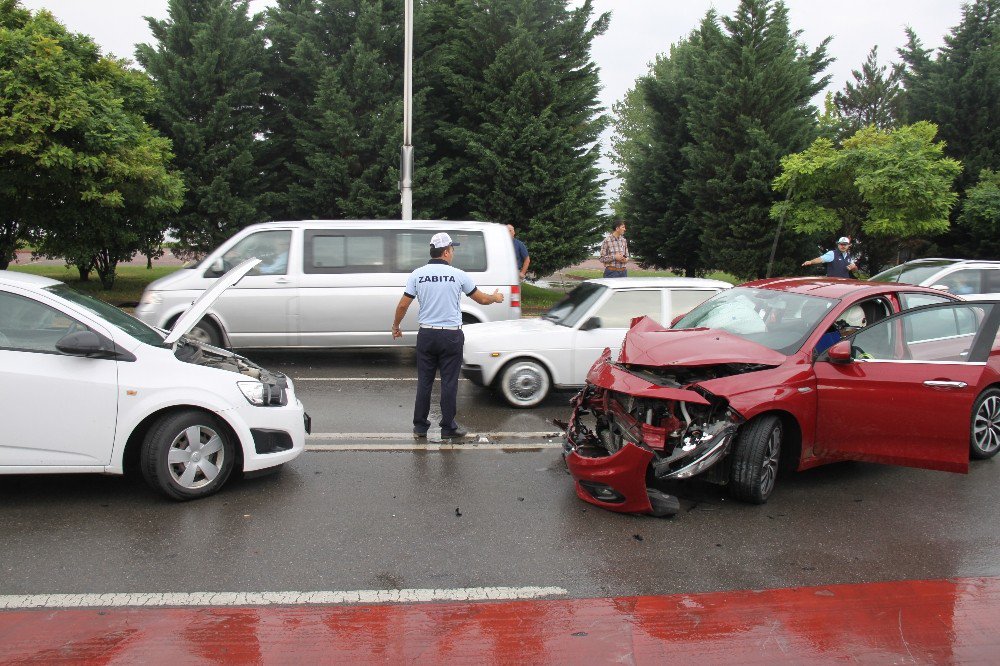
x=750, y=105
x=206, y=64
x=959, y=90
x=981, y=212
x=880, y=187
x=84, y=176
x=874, y=98
x=650, y=151
x=519, y=120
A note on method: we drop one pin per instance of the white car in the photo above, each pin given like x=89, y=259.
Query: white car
x=86, y=387
x=525, y=359
x=972, y=279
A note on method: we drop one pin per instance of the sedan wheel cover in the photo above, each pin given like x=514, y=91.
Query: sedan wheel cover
x=986, y=428
x=769, y=467
x=196, y=457
x=525, y=382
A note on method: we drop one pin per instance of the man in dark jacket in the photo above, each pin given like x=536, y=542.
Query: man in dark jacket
x=839, y=262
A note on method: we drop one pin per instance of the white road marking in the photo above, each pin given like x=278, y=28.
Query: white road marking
x=432, y=446
x=352, y=436
x=395, y=441
x=135, y=599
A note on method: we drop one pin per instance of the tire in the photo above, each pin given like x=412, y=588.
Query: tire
x=524, y=383
x=984, y=437
x=181, y=468
x=206, y=332
x=756, y=456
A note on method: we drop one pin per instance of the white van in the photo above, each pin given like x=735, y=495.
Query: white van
x=331, y=283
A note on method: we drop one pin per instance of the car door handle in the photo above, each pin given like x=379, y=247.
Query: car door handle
x=944, y=384
x=282, y=281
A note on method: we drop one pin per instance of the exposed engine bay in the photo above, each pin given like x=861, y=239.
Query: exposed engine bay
x=191, y=351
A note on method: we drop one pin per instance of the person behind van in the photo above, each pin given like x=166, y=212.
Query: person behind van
x=438, y=286
x=614, y=251
x=521, y=258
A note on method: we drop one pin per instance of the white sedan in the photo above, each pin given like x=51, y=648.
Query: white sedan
x=88, y=388
x=524, y=359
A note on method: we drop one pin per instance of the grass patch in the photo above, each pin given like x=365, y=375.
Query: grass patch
x=536, y=300
x=129, y=283
x=590, y=274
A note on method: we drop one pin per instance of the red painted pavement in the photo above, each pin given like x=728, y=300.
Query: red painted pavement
x=942, y=621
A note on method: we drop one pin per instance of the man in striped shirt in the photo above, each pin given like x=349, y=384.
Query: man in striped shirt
x=614, y=251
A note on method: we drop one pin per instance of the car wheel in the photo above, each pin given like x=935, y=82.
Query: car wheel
x=984, y=441
x=187, y=455
x=755, y=460
x=207, y=333
x=524, y=383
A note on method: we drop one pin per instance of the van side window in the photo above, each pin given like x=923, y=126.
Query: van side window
x=271, y=247
x=412, y=250
x=336, y=251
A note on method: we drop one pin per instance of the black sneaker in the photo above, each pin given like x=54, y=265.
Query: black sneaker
x=419, y=434
x=449, y=433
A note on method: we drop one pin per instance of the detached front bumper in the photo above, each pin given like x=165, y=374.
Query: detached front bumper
x=614, y=482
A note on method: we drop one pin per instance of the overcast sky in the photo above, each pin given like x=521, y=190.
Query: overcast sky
x=640, y=29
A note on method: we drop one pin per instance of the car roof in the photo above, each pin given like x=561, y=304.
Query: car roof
x=26, y=280
x=422, y=225
x=833, y=287
x=951, y=262
x=661, y=283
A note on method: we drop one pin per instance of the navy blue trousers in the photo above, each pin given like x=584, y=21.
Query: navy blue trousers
x=608, y=272
x=437, y=349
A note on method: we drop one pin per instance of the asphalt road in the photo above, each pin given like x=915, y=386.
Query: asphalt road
x=348, y=519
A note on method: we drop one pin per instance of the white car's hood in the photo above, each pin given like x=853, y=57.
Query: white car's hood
x=201, y=305
x=512, y=334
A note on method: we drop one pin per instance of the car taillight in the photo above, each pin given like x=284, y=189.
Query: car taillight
x=515, y=296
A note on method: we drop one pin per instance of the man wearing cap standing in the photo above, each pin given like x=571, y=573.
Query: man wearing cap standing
x=839, y=262
x=438, y=286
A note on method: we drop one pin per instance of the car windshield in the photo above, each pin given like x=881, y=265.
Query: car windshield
x=778, y=320
x=111, y=314
x=911, y=273
x=577, y=303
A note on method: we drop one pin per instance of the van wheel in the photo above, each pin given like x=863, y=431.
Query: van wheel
x=187, y=455
x=524, y=383
x=206, y=332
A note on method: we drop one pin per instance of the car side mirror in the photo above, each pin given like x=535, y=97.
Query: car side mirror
x=840, y=352
x=216, y=269
x=591, y=324
x=90, y=345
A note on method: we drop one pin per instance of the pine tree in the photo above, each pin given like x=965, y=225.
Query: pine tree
x=207, y=66
x=522, y=123
x=751, y=106
x=959, y=90
x=874, y=98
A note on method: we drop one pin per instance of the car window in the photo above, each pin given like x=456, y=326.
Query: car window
x=575, y=304
x=910, y=300
x=941, y=334
x=27, y=325
x=991, y=280
x=912, y=272
x=965, y=281
x=412, y=250
x=271, y=247
x=623, y=306
x=683, y=301
x=777, y=319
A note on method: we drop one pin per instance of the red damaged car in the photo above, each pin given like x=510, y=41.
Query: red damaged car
x=787, y=374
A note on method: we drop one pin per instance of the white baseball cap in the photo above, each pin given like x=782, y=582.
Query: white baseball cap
x=442, y=240
x=844, y=239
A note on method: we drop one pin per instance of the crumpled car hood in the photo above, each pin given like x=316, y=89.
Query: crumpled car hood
x=648, y=343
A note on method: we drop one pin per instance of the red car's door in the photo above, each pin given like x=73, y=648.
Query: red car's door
x=906, y=398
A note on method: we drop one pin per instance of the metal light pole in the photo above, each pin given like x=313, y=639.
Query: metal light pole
x=406, y=153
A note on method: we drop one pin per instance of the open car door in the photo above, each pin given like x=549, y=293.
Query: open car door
x=906, y=393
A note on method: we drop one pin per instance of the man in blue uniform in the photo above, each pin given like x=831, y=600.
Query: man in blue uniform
x=839, y=262
x=438, y=286
x=521, y=258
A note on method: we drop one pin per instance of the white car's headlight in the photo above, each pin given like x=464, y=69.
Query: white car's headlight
x=254, y=392
x=150, y=298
